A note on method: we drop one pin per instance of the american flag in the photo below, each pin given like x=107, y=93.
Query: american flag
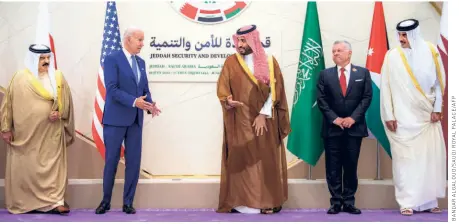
x=111, y=42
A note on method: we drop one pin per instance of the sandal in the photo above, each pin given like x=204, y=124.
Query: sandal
x=406, y=211
x=60, y=210
x=66, y=205
x=267, y=211
x=234, y=211
x=434, y=210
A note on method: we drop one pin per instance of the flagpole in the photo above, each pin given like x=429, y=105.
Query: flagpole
x=378, y=162
x=310, y=172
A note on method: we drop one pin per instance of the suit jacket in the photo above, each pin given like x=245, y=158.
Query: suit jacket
x=122, y=90
x=333, y=104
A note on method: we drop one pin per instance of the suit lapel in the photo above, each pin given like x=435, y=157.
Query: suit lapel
x=127, y=67
x=352, y=78
x=143, y=73
x=335, y=81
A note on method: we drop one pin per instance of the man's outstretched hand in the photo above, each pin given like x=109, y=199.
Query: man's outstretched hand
x=230, y=103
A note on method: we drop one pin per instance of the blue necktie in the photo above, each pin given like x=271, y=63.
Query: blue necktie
x=134, y=68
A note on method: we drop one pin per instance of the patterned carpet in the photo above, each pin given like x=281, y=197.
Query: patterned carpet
x=203, y=215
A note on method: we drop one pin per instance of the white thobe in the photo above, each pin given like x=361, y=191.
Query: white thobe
x=266, y=109
x=46, y=82
x=417, y=146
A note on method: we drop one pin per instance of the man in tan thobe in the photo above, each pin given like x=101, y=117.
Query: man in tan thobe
x=256, y=120
x=37, y=123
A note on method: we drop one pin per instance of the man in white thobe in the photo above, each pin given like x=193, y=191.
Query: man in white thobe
x=412, y=86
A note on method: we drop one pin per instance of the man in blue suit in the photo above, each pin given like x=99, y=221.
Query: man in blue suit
x=344, y=94
x=127, y=97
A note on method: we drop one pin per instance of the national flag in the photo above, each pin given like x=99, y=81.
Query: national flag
x=194, y=12
x=238, y=6
x=377, y=49
x=305, y=141
x=111, y=42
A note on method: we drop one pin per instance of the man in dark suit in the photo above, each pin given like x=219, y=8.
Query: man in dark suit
x=127, y=97
x=344, y=94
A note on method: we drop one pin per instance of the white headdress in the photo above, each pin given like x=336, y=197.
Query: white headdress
x=33, y=59
x=419, y=56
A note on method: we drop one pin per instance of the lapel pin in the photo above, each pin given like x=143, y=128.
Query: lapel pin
x=354, y=70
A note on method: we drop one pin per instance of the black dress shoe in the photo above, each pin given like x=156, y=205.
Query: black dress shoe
x=334, y=209
x=128, y=209
x=277, y=209
x=103, y=207
x=351, y=209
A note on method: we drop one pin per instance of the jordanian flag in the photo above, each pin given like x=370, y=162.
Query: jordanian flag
x=376, y=51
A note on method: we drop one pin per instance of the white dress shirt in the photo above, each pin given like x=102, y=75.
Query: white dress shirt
x=347, y=72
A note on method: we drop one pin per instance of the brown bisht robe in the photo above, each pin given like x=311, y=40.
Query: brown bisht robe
x=36, y=160
x=253, y=170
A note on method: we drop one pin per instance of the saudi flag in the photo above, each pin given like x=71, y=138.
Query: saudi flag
x=304, y=141
x=376, y=51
